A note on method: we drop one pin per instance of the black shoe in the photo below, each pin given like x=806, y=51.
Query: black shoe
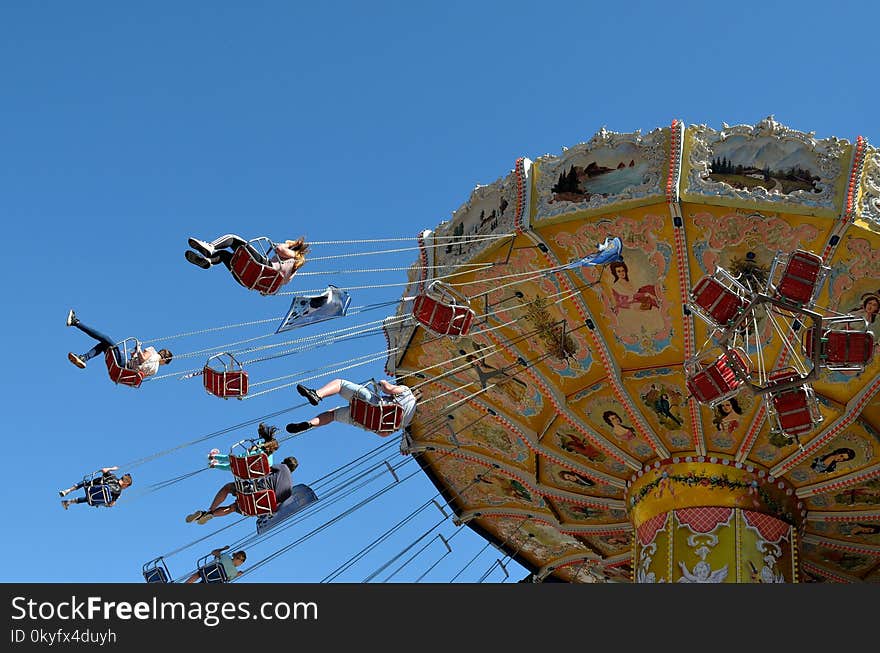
x=309, y=394
x=298, y=427
x=197, y=259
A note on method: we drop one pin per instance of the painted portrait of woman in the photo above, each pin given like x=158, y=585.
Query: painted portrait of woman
x=624, y=293
x=828, y=463
x=727, y=414
x=621, y=431
x=577, y=479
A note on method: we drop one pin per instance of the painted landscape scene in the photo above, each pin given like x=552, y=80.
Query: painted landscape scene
x=766, y=163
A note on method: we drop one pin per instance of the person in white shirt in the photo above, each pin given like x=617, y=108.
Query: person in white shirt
x=287, y=257
x=146, y=361
x=400, y=394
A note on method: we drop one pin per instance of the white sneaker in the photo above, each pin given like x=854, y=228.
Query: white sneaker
x=71, y=318
x=76, y=360
x=200, y=245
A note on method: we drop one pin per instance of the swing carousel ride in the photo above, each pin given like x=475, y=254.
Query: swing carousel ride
x=652, y=358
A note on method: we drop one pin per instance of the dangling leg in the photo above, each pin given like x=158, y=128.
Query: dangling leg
x=320, y=420
x=315, y=396
x=104, y=343
x=72, y=488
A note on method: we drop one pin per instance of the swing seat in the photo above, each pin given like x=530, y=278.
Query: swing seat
x=720, y=380
x=119, y=374
x=383, y=418
x=300, y=496
x=801, y=278
x=212, y=572
x=231, y=382
x=98, y=495
x=443, y=311
x=252, y=274
x=841, y=349
x=156, y=571
x=249, y=467
x=254, y=504
x=795, y=410
x=716, y=302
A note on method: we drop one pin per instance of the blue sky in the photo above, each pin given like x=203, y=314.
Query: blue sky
x=125, y=129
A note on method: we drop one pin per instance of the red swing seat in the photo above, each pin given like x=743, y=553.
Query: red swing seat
x=841, y=349
x=718, y=299
x=253, y=274
x=795, y=410
x=254, y=504
x=720, y=380
x=119, y=374
x=231, y=382
x=249, y=467
x=443, y=311
x=803, y=275
x=383, y=418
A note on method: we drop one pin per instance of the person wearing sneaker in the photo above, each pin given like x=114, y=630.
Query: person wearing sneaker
x=146, y=361
x=401, y=394
x=287, y=257
x=230, y=564
x=279, y=480
x=267, y=445
x=108, y=478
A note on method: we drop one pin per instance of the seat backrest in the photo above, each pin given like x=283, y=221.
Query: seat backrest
x=254, y=275
x=445, y=319
x=262, y=502
x=801, y=277
x=119, y=374
x=213, y=572
x=98, y=495
x=156, y=575
x=713, y=301
x=383, y=418
x=250, y=467
x=232, y=383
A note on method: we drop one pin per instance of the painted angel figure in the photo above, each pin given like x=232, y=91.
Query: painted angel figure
x=702, y=573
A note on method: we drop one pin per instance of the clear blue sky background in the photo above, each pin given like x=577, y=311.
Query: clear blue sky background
x=125, y=129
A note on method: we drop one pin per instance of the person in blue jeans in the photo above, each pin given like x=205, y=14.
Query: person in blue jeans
x=146, y=361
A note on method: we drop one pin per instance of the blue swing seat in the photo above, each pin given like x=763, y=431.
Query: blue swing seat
x=212, y=572
x=156, y=571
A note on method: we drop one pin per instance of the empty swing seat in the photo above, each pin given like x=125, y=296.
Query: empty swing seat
x=795, y=410
x=249, y=467
x=254, y=275
x=719, y=381
x=715, y=302
x=841, y=349
x=254, y=504
x=232, y=381
x=443, y=311
x=119, y=374
x=156, y=571
x=801, y=278
x=383, y=418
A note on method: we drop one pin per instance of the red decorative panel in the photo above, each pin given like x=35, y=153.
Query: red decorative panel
x=770, y=528
x=648, y=531
x=703, y=520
